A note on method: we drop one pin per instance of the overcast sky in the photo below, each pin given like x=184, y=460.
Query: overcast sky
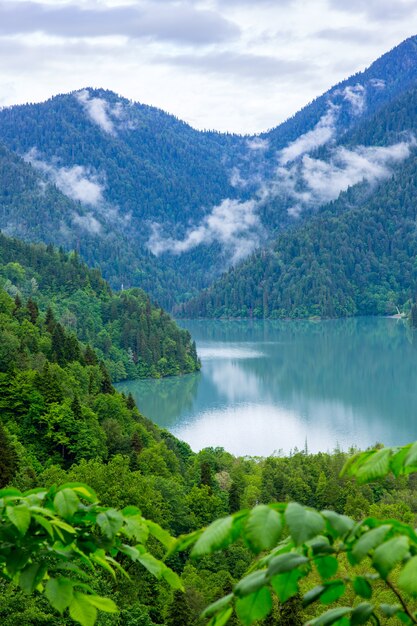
x=232, y=65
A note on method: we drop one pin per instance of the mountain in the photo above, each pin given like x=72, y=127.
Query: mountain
x=355, y=255
x=127, y=167
x=131, y=337
x=159, y=205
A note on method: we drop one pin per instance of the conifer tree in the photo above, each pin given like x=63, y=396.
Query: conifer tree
x=58, y=344
x=90, y=357
x=76, y=408
x=234, y=497
x=106, y=386
x=179, y=612
x=50, y=320
x=130, y=402
x=8, y=459
x=33, y=310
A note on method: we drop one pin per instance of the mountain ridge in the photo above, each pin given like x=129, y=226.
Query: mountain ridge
x=160, y=205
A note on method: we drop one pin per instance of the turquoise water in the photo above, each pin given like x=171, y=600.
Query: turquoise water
x=270, y=386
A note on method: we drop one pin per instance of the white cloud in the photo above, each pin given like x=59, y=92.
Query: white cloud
x=76, y=182
x=87, y=222
x=313, y=182
x=378, y=83
x=356, y=96
x=99, y=110
x=257, y=144
x=321, y=134
x=233, y=224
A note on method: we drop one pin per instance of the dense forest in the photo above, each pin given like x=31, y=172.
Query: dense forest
x=107, y=519
x=128, y=192
x=132, y=337
x=355, y=256
x=63, y=422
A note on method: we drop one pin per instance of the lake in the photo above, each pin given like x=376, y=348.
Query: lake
x=273, y=386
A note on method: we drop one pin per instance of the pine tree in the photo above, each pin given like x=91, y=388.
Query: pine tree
x=76, y=408
x=33, y=310
x=50, y=320
x=90, y=357
x=206, y=474
x=106, y=386
x=130, y=402
x=58, y=344
x=234, y=497
x=136, y=442
x=8, y=459
x=179, y=612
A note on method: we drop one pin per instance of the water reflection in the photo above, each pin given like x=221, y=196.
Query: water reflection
x=272, y=385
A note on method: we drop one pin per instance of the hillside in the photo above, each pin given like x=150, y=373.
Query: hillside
x=356, y=256
x=159, y=205
x=61, y=422
x=132, y=337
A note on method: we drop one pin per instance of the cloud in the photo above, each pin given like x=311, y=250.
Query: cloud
x=321, y=134
x=232, y=223
x=313, y=182
x=326, y=128
x=350, y=34
x=257, y=144
x=377, y=83
x=99, y=110
x=181, y=23
x=381, y=10
x=76, y=182
x=240, y=64
x=356, y=96
x=87, y=222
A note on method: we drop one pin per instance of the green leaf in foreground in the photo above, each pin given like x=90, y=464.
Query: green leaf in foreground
x=368, y=541
x=251, y=583
x=286, y=562
x=327, y=566
x=407, y=580
x=82, y=611
x=31, y=576
x=286, y=585
x=59, y=592
x=254, y=607
x=330, y=617
x=362, y=587
x=389, y=554
x=263, y=528
x=66, y=503
x=375, y=466
x=103, y=604
x=19, y=516
x=110, y=522
x=221, y=618
x=218, y=605
x=304, y=524
x=217, y=536
x=361, y=613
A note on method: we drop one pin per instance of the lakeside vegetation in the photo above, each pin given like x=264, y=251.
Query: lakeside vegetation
x=63, y=423
x=131, y=336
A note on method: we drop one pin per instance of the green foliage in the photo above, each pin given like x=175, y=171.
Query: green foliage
x=130, y=335
x=320, y=544
x=52, y=540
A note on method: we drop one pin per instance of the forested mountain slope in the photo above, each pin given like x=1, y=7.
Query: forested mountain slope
x=355, y=256
x=62, y=422
x=133, y=337
x=167, y=208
